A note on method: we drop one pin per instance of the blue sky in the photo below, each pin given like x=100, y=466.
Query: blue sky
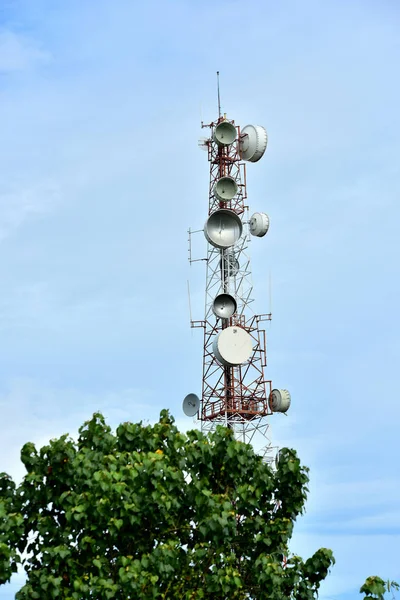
x=100, y=109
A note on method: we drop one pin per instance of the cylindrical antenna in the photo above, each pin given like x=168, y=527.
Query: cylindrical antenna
x=219, y=98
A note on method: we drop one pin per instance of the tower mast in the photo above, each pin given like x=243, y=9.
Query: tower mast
x=235, y=391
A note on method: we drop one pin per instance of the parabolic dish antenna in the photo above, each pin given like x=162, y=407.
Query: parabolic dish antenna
x=259, y=224
x=233, y=346
x=224, y=306
x=253, y=142
x=224, y=133
x=279, y=400
x=225, y=189
x=223, y=228
x=191, y=405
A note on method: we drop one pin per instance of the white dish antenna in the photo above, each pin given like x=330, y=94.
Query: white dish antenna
x=225, y=134
x=224, y=306
x=233, y=346
x=253, y=142
x=191, y=405
x=225, y=189
x=259, y=224
x=223, y=228
x=279, y=401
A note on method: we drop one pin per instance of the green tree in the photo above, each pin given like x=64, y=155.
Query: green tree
x=375, y=588
x=154, y=513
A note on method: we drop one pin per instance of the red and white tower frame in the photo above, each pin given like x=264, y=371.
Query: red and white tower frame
x=235, y=391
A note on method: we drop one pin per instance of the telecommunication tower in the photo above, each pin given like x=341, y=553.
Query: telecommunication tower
x=235, y=392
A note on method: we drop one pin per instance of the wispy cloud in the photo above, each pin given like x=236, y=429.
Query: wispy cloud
x=20, y=53
x=19, y=203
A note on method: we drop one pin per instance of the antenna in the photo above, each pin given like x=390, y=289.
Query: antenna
x=219, y=98
x=191, y=405
x=270, y=292
x=236, y=392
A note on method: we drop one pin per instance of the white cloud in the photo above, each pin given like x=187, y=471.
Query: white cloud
x=19, y=203
x=389, y=520
x=19, y=53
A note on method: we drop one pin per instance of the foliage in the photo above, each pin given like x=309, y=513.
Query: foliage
x=375, y=587
x=152, y=513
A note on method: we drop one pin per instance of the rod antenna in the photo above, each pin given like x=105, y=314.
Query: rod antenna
x=219, y=98
x=270, y=293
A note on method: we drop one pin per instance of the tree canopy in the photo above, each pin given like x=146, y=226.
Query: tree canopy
x=375, y=588
x=152, y=513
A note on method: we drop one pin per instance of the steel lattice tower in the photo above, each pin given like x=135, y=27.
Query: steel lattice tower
x=235, y=391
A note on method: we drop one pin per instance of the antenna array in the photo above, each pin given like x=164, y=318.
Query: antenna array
x=235, y=391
